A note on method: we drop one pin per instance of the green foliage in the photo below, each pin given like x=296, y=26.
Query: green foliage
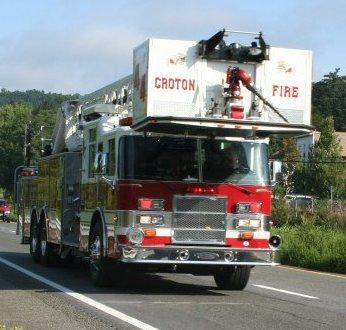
x=16, y=110
x=285, y=149
x=12, y=121
x=315, y=247
x=329, y=99
x=315, y=239
x=321, y=215
x=37, y=99
x=325, y=167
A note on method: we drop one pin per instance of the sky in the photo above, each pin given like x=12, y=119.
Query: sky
x=78, y=46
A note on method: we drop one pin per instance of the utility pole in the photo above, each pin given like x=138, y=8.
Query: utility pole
x=331, y=195
x=28, y=144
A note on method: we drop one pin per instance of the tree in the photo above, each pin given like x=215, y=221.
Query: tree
x=16, y=110
x=13, y=119
x=12, y=122
x=329, y=99
x=35, y=98
x=285, y=149
x=325, y=167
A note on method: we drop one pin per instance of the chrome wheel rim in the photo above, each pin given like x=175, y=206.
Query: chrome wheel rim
x=95, y=249
x=43, y=247
x=34, y=243
x=95, y=256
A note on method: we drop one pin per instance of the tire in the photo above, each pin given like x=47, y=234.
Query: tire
x=99, y=268
x=34, y=241
x=23, y=239
x=46, y=254
x=232, y=279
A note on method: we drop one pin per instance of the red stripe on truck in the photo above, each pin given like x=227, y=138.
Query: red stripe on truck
x=151, y=240
x=252, y=243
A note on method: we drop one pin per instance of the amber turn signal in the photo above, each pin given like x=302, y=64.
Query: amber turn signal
x=149, y=232
x=246, y=235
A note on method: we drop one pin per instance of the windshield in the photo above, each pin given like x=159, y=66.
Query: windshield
x=190, y=159
x=235, y=162
x=173, y=159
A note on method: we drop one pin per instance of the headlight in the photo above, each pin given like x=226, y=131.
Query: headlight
x=255, y=223
x=150, y=219
x=243, y=223
x=249, y=207
x=248, y=223
x=144, y=219
x=135, y=235
x=7, y=212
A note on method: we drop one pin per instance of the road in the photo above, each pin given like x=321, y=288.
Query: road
x=35, y=297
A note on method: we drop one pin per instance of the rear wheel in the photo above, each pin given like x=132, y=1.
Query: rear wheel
x=46, y=253
x=232, y=278
x=34, y=241
x=99, y=268
x=23, y=239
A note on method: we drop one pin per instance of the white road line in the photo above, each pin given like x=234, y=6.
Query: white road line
x=91, y=302
x=312, y=271
x=285, y=291
x=172, y=302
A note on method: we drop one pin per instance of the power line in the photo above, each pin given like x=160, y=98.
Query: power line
x=312, y=162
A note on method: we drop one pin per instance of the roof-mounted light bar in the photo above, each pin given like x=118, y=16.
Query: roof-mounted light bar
x=215, y=48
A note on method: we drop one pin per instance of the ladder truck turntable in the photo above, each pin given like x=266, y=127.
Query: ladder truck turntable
x=167, y=169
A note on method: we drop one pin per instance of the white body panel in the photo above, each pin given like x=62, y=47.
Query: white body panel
x=171, y=80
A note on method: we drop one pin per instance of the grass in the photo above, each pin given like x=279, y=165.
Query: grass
x=315, y=247
x=315, y=240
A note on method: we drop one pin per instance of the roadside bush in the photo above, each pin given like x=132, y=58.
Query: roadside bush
x=311, y=239
x=315, y=247
x=321, y=215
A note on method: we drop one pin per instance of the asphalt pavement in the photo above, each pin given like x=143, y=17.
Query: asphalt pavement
x=37, y=297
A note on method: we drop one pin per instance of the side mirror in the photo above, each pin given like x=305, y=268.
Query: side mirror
x=100, y=163
x=279, y=177
x=276, y=174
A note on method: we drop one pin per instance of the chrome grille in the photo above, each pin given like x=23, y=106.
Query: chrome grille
x=200, y=204
x=192, y=236
x=199, y=219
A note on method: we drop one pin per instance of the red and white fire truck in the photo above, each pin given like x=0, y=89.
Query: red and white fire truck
x=167, y=169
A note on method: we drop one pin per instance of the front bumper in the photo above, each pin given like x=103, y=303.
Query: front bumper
x=198, y=255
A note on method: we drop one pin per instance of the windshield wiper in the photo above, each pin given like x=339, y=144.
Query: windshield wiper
x=240, y=188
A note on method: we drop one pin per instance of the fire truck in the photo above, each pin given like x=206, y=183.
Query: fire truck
x=167, y=170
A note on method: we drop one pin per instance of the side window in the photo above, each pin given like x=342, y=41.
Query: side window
x=91, y=151
x=111, y=158
x=100, y=147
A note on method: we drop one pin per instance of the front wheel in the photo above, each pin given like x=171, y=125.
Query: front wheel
x=99, y=270
x=232, y=278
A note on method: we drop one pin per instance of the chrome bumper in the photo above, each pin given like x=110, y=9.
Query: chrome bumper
x=198, y=255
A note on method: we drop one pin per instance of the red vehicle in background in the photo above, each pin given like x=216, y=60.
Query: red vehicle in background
x=5, y=210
